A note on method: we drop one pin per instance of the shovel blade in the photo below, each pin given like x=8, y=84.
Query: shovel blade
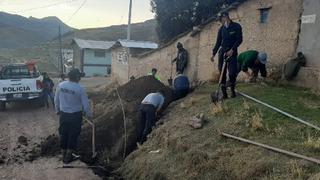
x=216, y=97
x=170, y=81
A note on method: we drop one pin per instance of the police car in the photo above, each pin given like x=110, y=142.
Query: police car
x=20, y=82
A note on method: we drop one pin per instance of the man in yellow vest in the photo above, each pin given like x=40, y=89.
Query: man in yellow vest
x=154, y=74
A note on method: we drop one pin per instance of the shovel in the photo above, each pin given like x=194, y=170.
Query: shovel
x=170, y=79
x=217, y=96
x=94, y=153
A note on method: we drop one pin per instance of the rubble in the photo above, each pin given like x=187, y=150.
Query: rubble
x=109, y=123
x=196, y=122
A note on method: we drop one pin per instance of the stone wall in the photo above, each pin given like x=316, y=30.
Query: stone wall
x=119, y=65
x=278, y=37
x=309, y=44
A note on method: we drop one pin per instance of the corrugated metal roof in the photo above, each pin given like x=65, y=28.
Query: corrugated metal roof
x=90, y=44
x=138, y=44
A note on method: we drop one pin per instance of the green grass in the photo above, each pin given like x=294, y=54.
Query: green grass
x=204, y=154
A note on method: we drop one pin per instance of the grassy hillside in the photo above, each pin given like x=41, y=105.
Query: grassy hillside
x=145, y=31
x=17, y=31
x=44, y=52
x=12, y=37
x=41, y=54
x=205, y=154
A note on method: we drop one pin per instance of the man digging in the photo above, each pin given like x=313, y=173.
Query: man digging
x=228, y=40
x=254, y=60
x=71, y=101
x=149, y=109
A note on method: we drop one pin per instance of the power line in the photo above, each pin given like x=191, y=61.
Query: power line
x=83, y=3
x=45, y=6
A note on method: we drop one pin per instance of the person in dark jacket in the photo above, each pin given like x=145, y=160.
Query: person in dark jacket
x=47, y=91
x=292, y=67
x=181, y=59
x=254, y=60
x=228, y=40
x=181, y=86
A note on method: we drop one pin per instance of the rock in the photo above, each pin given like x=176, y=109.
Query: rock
x=23, y=140
x=196, y=122
x=182, y=105
x=2, y=159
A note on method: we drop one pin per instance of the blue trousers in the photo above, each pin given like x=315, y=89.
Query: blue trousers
x=69, y=129
x=232, y=69
x=48, y=94
x=147, y=120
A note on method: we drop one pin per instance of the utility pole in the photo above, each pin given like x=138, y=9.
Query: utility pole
x=60, y=51
x=129, y=21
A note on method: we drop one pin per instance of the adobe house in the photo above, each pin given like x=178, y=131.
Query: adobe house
x=123, y=53
x=92, y=57
x=309, y=44
x=279, y=27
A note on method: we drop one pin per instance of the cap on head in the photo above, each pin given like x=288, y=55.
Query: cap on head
x=262, y=57
x=74, y=73
x=223, y=14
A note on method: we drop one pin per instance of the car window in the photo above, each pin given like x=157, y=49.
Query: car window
x=18, y=72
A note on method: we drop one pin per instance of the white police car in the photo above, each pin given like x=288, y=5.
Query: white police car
x=19, y=82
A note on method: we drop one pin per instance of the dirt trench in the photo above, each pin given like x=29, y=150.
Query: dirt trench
x=111, y=144
x=22, y=128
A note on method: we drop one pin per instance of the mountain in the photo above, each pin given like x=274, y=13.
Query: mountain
x=145, y=31
x=26, y=44
x=18, y=31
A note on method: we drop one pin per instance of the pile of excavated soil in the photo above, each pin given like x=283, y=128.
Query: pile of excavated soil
x=109, y=122
x=110, y=132
x=50, y=146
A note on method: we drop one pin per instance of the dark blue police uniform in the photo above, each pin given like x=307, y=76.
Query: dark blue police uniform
x=229, y=38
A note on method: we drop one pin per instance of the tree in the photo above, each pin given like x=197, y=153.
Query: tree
x=178, y=16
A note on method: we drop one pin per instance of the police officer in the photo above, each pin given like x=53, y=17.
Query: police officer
x=71, y=102
x=228, y=40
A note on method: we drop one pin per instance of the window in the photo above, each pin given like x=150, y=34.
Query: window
x=99, y=53
x=18, y=72
x=264, y=14
x=123, y=56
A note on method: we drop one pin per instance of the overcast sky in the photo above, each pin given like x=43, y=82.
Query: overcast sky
x=94, y=13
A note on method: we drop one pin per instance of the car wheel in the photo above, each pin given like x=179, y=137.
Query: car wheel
x=2, y=106
x=39, y=102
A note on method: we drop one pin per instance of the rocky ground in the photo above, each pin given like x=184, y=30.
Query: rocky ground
x=23, y=126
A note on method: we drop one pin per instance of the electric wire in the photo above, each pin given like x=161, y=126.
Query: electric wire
x=83, y=3
x=45, y=6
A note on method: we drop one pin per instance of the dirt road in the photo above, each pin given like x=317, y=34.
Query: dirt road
x=22, y=127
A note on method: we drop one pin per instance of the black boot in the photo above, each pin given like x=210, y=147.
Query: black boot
x=233, y=91
x=68, y=157
x=224, y=91
x=63, y=152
